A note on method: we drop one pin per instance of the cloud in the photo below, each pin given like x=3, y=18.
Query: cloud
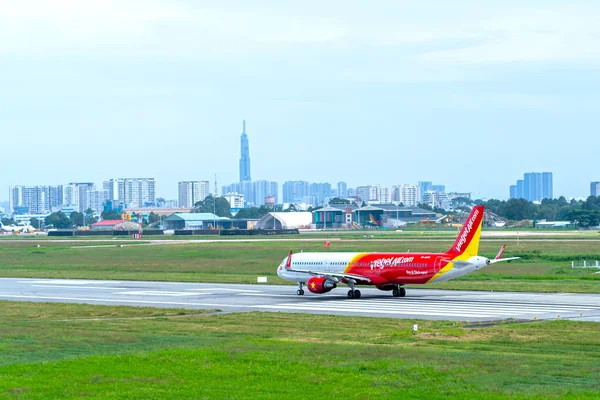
x=569, y=33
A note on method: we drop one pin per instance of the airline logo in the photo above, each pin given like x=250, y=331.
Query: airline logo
x=467, y=230
x=390, y=262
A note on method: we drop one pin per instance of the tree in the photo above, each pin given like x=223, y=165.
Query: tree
x=110, y=215
x=8, y=221
x=152, y=218
x=37, y=223
x=89, y=217
x=76, y=218
x=291, y=208
x=219, y=206
x=337, y=200
x=253, y=212
x=58, y=220
x=425, y=206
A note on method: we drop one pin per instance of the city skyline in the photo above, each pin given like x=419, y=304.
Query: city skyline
x=337, y=91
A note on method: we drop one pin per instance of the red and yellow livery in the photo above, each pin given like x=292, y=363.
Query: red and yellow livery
x=322, y=272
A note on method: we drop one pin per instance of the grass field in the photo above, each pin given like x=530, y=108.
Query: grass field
x=545, y=264
x=74, y=351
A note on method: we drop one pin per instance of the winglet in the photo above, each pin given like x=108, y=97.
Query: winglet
x=499, y=255
x=288, y=264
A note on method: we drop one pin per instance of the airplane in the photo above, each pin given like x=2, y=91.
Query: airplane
x=322, y=272
x=17, y=228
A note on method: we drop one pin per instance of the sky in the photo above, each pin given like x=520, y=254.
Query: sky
x=468, y=94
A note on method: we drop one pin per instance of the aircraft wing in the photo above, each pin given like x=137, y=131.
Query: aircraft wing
x=503, y=259
x=334, y=275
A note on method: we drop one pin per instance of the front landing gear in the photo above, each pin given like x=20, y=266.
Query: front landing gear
x=300, y=291
x=399, y=292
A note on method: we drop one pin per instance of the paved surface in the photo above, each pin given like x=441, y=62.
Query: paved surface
x=418, y=304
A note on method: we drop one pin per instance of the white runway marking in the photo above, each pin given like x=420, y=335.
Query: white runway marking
x=227, y=290
x=69, y=282
x=81, y=287
x=267, y=295
x=433, y=308
x=159, y=293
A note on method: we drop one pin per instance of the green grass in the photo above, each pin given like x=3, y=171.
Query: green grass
x=545, y=264
x=72, y=351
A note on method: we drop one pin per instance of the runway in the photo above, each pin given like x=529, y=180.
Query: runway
x=418, y=304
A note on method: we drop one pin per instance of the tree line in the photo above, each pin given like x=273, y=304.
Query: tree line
x=584, y=213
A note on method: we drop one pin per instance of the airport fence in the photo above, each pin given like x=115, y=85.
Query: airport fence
x=585, y=264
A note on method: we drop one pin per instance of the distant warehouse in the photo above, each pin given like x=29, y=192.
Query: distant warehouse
x=196, y=221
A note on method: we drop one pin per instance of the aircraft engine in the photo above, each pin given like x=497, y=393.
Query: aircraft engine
x=320, y=284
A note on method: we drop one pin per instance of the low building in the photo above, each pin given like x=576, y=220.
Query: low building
x=554, y=224
x=330, y=218
x=111, y=225
x=285, y=220
x=196, y=221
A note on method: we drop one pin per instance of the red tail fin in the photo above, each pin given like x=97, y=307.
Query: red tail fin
x=289, y=260
x=469, y=234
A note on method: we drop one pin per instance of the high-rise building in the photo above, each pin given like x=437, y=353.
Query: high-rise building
x=383, y=195
x=407, y=194
x=424, y=186
x=520, y=189
x=97, y=198
x=435, y=198
x=547, y=192
x=295, y=191
x=595, y=189
x=374, y=194
x=321, y=192
x=235, y=200
x=264, y=189
x=36, y=199
x=132, y=192
x=245, y=156
x=245, y=188
x=191, y=192
x=534, y=186
x=342, y=190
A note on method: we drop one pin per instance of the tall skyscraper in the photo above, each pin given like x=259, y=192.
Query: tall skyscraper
x=595, y=189
x=534, y=186
x=191, y=192
x=245, y=156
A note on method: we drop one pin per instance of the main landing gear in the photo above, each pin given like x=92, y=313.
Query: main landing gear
x=398, y=291
x=300, y=291
x=353, y=293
